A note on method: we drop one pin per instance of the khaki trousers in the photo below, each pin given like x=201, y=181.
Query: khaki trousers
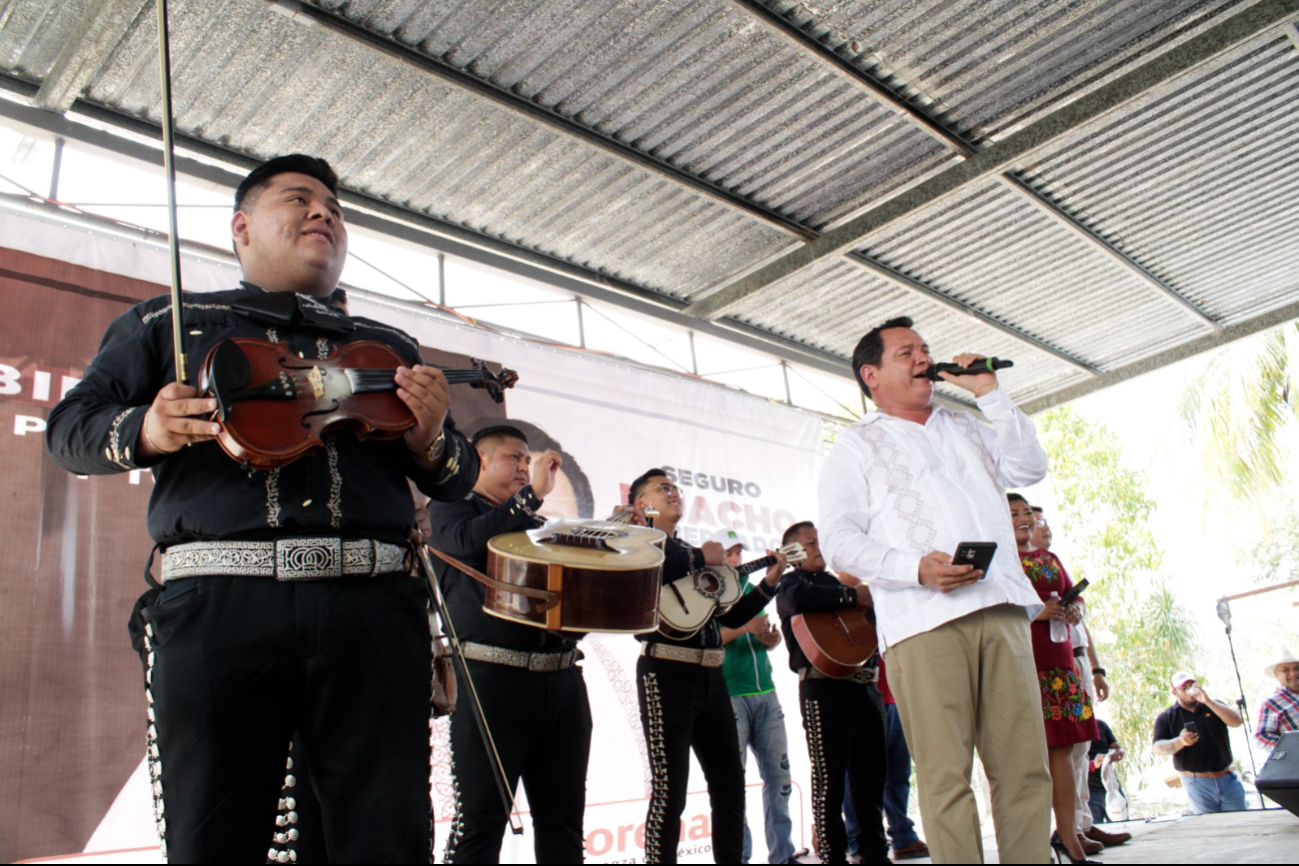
x=972, y=682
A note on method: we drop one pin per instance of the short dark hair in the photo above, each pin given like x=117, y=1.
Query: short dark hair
x=1016, y=497
x=1036, y=508
x=298, y=163
x=795, y=530
x=638, y=486
x=870, y=348
x=498, y=431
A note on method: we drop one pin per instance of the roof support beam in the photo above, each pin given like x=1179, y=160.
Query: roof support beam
x=1002, y=155
x=101, y=28
x=309, y=14
x=227, y=167
x=923, y=119
x=1149, y=364
x=898, y=278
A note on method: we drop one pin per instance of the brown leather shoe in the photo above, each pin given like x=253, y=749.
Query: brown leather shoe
x=1089, y=847
x=1104, y=838
x=913, y=851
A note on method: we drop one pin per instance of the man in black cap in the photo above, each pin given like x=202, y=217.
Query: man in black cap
x=533, y=695
x=285, y=603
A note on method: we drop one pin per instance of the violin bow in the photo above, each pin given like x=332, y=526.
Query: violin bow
x=169, y=168
x=489, y=742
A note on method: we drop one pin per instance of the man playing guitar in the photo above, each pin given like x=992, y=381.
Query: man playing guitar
x=843, y=718
x=684, y=703
x=532, y=692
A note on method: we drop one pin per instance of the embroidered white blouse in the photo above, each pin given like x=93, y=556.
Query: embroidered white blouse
x=893, y=490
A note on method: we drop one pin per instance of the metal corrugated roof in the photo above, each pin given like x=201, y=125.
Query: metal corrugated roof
x=672, y=147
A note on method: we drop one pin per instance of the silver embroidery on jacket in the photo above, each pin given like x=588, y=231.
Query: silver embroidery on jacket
x=273, y=498
x=149, y=317
x=115, y=452
x=335, y=483
x=404, y=336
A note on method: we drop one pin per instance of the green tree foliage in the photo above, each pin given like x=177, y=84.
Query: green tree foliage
x=1237, y=417
x=1142, y=633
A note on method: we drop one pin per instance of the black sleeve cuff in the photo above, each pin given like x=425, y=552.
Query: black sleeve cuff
x=765, y=589
x=525, y=501
x=697, y=558
x=123, y=436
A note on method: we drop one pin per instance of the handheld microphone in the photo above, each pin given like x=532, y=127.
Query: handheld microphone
x=983, y=365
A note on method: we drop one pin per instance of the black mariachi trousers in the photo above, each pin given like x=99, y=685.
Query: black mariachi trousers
x=844, y=722
x=237, y=664
x=541, y=726
x=684, y=707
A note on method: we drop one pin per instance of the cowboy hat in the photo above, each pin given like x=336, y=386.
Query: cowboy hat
x=1286, y=656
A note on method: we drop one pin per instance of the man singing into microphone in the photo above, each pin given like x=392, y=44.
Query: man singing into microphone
x=902, y=488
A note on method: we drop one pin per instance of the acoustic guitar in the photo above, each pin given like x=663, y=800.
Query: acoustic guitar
x=686, y=603
x=837, y=644
x=581, y=576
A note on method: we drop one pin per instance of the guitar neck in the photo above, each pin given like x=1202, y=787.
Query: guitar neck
x=750, y=567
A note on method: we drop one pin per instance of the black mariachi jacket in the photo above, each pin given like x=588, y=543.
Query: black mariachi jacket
x=348, y=488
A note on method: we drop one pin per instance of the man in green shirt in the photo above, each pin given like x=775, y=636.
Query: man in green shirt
x=759, y=717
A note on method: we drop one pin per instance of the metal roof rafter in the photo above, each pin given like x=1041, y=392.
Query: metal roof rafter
x=504, y=98
x=924, y=120
x=121, y=135
x=313, y=15
x=101, y=27
x=905, y=281
x=1002, y=155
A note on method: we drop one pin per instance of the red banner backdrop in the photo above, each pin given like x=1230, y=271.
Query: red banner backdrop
x=71, y=721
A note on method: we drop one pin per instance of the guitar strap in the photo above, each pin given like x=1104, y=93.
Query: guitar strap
x=548, y=599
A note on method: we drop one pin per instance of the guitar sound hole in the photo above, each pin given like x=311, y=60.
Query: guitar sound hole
x=708, y=584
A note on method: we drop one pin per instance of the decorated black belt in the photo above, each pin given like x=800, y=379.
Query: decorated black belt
x=861, y=675
x=307, y=558
x=536, y=662
x=707, y=658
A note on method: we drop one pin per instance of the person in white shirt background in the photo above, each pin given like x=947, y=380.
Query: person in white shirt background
x=901, y=489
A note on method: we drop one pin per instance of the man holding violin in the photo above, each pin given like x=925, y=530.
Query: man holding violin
x=285, y=604
x=533, y=696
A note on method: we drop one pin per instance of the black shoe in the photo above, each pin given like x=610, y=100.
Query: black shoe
x=1057, y=848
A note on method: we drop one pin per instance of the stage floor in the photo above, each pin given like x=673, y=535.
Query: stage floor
x=1257, y=836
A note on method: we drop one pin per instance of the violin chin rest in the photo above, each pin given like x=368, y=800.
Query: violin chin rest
x=230, y=372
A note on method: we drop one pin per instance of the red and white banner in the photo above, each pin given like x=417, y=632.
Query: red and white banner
x=72, y=713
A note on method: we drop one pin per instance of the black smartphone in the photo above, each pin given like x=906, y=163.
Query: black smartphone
x=1190, y=726
x=976, y=553
x=1072, y=594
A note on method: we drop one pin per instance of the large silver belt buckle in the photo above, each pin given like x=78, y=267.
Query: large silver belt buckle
x=308, y=558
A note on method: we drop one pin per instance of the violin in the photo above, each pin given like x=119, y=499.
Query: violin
x=275, y=406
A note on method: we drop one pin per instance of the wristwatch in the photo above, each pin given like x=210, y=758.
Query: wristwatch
x=435, y=450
